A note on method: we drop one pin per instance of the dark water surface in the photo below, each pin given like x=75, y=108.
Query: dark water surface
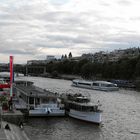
x=121, y=116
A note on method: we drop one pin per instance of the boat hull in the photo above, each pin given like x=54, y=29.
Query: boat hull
x=97, y=88
x=94, y=117
x=42, y=112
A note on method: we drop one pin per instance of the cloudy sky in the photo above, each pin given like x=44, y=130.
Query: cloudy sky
x=32, y=29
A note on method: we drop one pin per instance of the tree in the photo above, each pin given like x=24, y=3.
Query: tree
x=137, y=69
x=62, y=57
x=86, y=70
x=65, y=56
x=70, y=55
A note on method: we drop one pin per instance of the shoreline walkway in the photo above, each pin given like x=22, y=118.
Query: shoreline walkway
x=15, y=133
x=2, y=134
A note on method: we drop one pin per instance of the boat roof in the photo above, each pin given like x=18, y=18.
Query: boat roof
x=83, y=81
x=34, y=91
x=89, y=104
x=90, y=82
x=102, y=82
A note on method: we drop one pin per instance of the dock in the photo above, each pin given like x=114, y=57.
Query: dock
x=14, y=116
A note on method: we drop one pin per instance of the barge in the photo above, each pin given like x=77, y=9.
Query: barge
x=37, y=101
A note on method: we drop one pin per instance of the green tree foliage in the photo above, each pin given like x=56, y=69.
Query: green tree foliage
x=86, y=70
x=137, y=69
x=70, y=55
x=123, y=69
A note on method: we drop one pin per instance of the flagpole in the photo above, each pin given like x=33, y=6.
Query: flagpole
x=11, y=83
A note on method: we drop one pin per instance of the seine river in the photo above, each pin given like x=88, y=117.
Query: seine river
x=121, y=116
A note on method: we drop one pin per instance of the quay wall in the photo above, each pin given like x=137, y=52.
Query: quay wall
x=14, y=117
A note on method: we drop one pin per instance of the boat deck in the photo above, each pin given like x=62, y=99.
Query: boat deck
x=34, y=91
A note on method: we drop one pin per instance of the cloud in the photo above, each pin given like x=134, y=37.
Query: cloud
x=59, y=2
x=33, y=29
x=124, y=2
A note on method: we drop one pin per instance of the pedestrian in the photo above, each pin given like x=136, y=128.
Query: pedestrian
x=7, y=127
x=21, y=124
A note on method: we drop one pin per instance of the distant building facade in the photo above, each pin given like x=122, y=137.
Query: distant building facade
x=50, y=58
x=114, y=56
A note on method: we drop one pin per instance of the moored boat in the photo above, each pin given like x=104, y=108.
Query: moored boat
x=96, y=85
x=80, y=107
x=39, y=102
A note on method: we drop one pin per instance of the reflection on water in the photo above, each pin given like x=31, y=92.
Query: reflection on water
x=61, y=128
x=121, y=116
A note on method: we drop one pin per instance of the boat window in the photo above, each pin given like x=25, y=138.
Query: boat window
x=82, y=100
x=95, y=84
x=104, y=85
x=110, y=85
x=88, y=84
x=49, y=100
x=107, y=85
x=31, y=100
x=75, y=83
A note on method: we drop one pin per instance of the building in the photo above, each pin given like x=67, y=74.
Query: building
x=50, y=58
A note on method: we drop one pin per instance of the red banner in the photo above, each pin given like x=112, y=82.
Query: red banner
x=11, y=70
x=4, y=85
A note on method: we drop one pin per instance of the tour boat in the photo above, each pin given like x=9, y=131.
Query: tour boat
x=80, y=107
x=96, y=85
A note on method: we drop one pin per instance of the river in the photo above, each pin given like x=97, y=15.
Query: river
x=121, y=115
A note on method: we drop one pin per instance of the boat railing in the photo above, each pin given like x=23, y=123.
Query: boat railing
x=81, y=107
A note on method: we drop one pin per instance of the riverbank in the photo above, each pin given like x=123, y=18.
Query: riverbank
x=13, y=117
x=60, y=76
x=14, y=133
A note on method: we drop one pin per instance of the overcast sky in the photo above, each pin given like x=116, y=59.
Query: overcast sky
x=32, y=29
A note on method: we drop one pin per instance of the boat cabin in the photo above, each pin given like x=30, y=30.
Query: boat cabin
x=33, y=96
x=82, y=107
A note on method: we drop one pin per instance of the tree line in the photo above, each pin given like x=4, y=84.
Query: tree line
x=125, y=68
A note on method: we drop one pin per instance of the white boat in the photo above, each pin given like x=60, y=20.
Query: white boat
x=96, y=85
x=80, y=107
x=39, y=102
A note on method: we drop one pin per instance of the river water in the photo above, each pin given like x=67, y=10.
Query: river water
x=121, y=115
